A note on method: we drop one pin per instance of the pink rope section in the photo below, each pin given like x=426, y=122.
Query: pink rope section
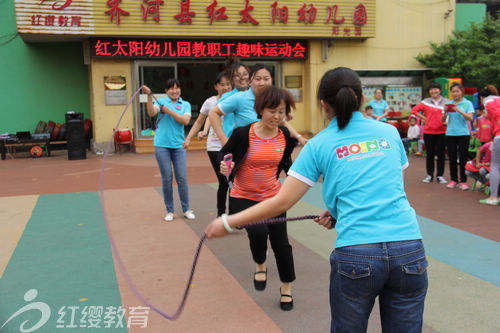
x=116, y=253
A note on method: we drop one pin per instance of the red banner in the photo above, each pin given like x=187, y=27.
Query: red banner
x=197, y=49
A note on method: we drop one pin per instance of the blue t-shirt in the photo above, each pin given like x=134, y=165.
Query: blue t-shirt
x=228, y=123
x=362, y=167
x=241, y=105
x=169, y=133
x=379, y=108
x=457, y=124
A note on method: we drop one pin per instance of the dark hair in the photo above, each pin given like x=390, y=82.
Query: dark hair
x=271, y=98
x=456, y=84
x=221, y=76
x=381, y=91
x=232, y=66
x=368, y=107
x=435, y=84
x=488, y=90
x=172, y=82
x=258, y=67
x=480, y=107
x=340, y=88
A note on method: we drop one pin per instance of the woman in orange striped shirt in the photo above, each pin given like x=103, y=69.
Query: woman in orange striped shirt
x=260, y=152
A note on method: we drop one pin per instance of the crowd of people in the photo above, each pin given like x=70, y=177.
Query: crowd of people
x=451, y=126
x=248, y=121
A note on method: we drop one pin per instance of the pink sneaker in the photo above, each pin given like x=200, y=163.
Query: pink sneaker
x=452, y=184
x=463, y=186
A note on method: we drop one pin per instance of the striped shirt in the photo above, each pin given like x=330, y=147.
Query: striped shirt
x=256, y=177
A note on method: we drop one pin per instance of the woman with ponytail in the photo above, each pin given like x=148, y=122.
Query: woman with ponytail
x=378, y=250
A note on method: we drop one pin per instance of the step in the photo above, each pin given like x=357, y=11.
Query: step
x=146, y=146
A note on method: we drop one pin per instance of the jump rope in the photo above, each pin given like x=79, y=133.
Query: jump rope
x=203, y=238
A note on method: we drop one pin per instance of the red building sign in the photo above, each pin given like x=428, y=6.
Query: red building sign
x=196, y=49
x=174, y=19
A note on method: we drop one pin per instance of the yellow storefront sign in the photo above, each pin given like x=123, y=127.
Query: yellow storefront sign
x=198, y=18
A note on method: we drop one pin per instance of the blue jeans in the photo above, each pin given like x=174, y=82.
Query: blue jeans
x=165, y=158
x=396, y=272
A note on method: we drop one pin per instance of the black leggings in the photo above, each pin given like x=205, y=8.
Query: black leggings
x=460, y=144
x=257, y=235
x=434, y=144
x=223, y=184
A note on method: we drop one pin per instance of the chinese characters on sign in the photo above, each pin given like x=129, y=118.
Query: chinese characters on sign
x=185, y=14
x=116, y=10
x=60, y=20
x=279, y=19
x=281, y=12
x=218, y=14
x=306, y=14
x=180, y=49
x=152, y=7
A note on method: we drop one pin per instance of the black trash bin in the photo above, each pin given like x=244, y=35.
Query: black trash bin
x=75, y=135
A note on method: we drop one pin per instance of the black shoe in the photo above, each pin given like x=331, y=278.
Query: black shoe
x=259, y=285
x=286, y=306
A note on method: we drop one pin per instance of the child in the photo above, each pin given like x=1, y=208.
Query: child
x=483, y=126
x=413, y=133
x=479, y=170
x=369, y=112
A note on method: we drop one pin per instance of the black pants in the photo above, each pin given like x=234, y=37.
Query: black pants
x=223, y=184
x=460, y=144
x=434, y=144
x=278, y=236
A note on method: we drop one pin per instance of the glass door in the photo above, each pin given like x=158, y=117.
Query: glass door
x=153, y=74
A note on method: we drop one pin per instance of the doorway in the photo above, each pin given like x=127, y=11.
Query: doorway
x=197, y=84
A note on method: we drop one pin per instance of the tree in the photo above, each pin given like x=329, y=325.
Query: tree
x=472, y=54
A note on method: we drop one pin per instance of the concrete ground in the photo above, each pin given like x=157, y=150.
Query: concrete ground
x=57, y=270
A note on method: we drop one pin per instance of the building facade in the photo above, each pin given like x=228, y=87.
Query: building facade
x=128, y=43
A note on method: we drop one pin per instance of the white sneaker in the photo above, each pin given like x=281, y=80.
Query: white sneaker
x=427, y=179
x=169, y=217
x=441, y=180
x=189, y=214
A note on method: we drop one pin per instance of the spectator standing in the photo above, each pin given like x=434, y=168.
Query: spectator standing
x=379, y=105
x=458, y=117
x=173, y=114
x=430, y=110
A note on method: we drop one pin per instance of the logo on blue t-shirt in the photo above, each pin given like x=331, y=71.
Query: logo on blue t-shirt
x=365, y=148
